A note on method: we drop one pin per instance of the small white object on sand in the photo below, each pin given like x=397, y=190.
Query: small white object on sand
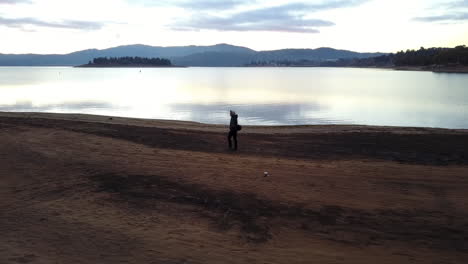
x=265, y=173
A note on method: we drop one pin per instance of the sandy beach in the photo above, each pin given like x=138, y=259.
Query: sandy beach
x=98, y=189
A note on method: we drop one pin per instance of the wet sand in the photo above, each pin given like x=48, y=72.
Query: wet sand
x=96, y=189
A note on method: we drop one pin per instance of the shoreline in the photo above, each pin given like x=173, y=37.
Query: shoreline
x=126, y=66
x=436, y=69
x=183, y=124
x=463, y=69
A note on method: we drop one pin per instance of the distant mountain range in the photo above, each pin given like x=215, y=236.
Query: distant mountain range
x=215, y=55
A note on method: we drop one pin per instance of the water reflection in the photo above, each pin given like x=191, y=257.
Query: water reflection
x=61, y=107
x=262, y=96
x=257, y=114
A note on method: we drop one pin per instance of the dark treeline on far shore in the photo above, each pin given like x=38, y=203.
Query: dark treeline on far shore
x=128, y=61
x=422, y=57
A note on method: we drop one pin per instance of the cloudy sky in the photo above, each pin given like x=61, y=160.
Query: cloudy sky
x=62, y=26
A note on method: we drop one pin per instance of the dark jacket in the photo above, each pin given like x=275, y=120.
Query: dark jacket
x=233, y=124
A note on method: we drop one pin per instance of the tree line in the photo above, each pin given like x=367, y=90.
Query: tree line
x=282, y=63
x=432, y=56
x=422, y=57
x=127, y=61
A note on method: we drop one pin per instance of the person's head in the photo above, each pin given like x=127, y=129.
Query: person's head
x=232, y=112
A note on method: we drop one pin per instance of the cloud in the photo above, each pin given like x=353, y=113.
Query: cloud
x=292, y=17
x=453, y=11
x=68, y=24
x=203, y=5
x=213, y=4
x=255, y=21
x=14, y=2
x=443, y=18
x=458, y=4
x=194, y=5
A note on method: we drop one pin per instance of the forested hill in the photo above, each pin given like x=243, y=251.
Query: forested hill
x=439, y=56
x=215, y=55
x=229, y=55
x=422, y=57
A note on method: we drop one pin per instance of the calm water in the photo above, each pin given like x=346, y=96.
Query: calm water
x=261, y=96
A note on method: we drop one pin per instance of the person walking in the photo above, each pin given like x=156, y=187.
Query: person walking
x=233, y=128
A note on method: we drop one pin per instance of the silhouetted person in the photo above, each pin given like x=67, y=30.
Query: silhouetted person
x=233, y=128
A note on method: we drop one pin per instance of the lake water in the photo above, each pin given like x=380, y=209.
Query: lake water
x=261, y=96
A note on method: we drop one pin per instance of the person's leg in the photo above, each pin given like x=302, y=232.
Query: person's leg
x=235, y=139
x=229, y=139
